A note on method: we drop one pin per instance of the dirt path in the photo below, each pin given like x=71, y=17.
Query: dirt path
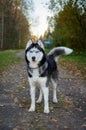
x=68, y=114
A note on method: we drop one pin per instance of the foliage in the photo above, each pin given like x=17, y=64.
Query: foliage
x=14, y=26
x=70, y=25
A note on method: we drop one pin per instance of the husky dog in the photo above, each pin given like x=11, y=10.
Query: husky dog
x=42, y=69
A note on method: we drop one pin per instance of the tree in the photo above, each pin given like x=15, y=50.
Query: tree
x=70, y=26
x=22, y=28
x=13, y=18
x=1, y=24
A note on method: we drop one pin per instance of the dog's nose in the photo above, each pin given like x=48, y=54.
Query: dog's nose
x=33, y=58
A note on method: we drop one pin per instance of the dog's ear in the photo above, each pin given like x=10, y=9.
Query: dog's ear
x=40, y=44
x=29, y=43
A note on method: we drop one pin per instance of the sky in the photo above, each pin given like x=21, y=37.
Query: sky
x=39, y=23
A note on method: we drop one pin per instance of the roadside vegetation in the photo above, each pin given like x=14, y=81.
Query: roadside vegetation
x=75, y=63
x=8, y=58
x=69, y=24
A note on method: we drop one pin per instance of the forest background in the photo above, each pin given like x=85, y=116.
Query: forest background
x=67, y=25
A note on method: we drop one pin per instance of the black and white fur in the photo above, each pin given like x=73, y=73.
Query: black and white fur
x=42, y=69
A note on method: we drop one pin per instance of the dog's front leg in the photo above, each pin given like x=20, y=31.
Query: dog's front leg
x=40, y=97
x=46, y=96
x=32, y=92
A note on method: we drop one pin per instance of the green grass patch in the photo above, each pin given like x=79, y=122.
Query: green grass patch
x=78, y=57
x=8, y=58
x=75, y=63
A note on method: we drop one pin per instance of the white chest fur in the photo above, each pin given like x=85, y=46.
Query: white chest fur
x=35, y=73
x=36, y=79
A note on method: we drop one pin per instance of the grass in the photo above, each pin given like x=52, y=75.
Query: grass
x=75, y=63
x=78, y=57
x=8, y=58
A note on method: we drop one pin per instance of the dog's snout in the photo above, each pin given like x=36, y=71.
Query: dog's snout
x=33, y=58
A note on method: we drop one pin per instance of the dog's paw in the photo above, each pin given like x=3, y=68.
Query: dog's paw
x=38, y=101
x=31, y=109
x=55, y=101
x=46, y=111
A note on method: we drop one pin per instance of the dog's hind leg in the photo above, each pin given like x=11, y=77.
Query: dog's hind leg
x=40, y=97
x=54, y=91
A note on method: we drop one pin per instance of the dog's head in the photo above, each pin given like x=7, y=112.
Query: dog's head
x=34, y=53
x=39, y=42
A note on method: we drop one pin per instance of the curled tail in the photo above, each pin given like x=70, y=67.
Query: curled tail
x=56, y=52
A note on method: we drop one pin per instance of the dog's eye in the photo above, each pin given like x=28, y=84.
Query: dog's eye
x=31, y=51
x=37, y=51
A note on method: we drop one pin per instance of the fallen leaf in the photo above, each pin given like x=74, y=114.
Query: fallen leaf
x=69, y=103
x=16, y=100
x=53, y=119
x=66, y=127
x=84, y=118
x=15, y=129
x=84, y=125
x=1, y=105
